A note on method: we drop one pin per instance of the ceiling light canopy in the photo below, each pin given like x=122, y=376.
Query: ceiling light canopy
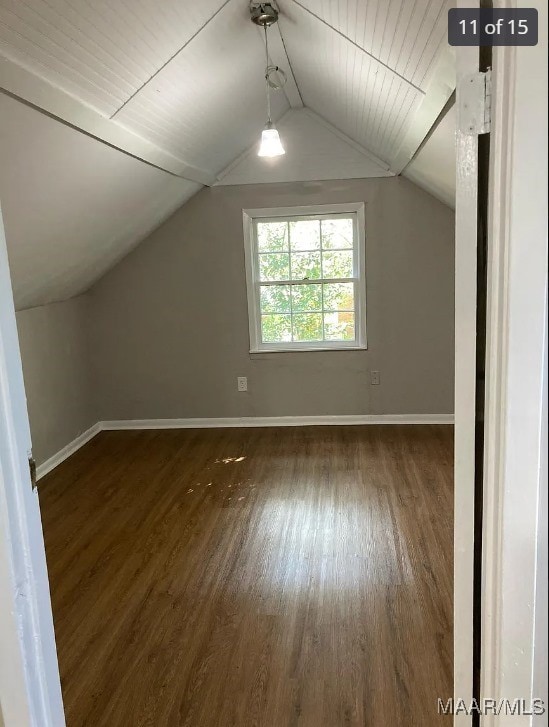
x=265, y=15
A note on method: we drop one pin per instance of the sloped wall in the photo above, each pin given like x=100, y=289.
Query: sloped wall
x=56, y=367
x=434, y=167
x=72, y=205
x=169, y=328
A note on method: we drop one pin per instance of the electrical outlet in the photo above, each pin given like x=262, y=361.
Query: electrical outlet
x=242, y=383
x=374, y=378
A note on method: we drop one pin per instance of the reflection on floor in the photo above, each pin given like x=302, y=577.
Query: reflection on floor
x=270, y=577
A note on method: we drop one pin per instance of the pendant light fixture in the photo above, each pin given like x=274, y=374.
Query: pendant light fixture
x=265, y=15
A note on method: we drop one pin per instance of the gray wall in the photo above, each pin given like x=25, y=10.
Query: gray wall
x=170, y=328
x=56, y=367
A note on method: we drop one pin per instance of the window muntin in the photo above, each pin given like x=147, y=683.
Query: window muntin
x=306, y=284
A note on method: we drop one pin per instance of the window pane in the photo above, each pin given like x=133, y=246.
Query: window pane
x=275, y=299
x=274, y=267
x=305, y=235
x=337, y=264
x=337, y=233
x=272, y=236
x=306, y=297
x=339, y=326
x=307, y=327
x=276, y=328
x=305, y=265
x=339, y=296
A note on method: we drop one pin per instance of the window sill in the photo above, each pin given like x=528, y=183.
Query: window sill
x=308, y=349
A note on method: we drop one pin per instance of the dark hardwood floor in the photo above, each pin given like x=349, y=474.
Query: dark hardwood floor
x=238, y=577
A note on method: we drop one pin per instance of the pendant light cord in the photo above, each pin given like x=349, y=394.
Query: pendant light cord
x=267, y=86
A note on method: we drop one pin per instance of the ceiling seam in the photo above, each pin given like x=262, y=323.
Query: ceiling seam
x=290, y=65
x=177, y=52
x=360, y=48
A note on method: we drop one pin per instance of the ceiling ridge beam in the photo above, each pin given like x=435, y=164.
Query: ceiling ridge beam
x=360, y=48
x=170, y=59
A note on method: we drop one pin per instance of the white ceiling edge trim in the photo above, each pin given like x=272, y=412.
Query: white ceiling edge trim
x=433, y=167
x=382, y=165
x=441, y=86
x=26, y=86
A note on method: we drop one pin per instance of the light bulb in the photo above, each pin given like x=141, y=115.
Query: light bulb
x=270, y=145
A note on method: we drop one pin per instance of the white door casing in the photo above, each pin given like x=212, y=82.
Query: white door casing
x=30, y=690
x=467, y=63
x=514, y=605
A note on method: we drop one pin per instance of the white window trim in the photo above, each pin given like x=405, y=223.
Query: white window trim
x=252, y=279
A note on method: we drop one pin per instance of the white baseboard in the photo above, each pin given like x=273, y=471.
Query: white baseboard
x=229, y=422
x=290, y=421
x=66, y=452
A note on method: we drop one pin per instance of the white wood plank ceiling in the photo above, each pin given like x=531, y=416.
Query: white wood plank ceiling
x=179, y=83
x=405, y=35
x=208, y=103
x=101, y=51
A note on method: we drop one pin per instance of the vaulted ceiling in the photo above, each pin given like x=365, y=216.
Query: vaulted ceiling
x=177, y=87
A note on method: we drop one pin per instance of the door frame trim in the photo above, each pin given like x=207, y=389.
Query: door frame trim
x=515, y=405
x=466, y=235
x=30, y=688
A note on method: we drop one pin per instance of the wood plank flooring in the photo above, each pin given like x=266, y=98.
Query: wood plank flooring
x=254, y=577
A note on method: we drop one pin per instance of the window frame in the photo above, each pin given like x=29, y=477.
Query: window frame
x=250, y=217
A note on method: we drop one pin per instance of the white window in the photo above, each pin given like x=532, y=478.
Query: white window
x=305, y=273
